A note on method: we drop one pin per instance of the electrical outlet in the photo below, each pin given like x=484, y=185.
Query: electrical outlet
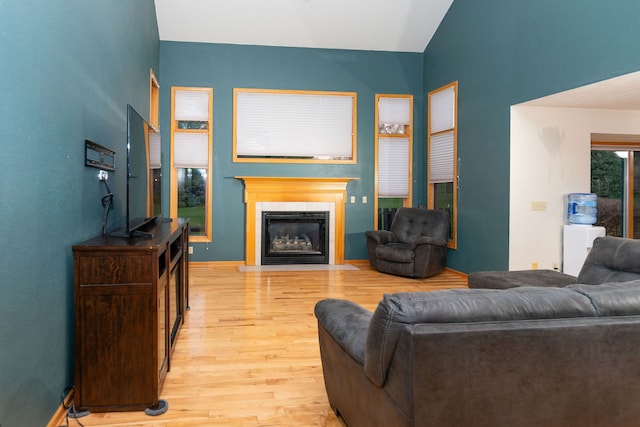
x=103, y=175
x=364, y=199
x=190, y=250
x=539, y=205
x=353, y=199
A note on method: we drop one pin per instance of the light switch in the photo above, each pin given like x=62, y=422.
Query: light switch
x=353, y=199
x=364, y=199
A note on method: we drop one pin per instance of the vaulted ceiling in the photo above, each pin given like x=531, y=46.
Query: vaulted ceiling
x=378, y=25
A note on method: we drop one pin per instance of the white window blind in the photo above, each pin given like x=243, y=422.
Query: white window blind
x=441, y=158
x=191, y=150
x=394, y=111
x=191, y=105
x=277, y=124
x=393, y=167
x=442, y=111
x=154, y=151
x=442, y=122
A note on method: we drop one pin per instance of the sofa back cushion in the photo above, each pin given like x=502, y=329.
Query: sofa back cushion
x=612, y=299
x=611, y=259
x=396, y=311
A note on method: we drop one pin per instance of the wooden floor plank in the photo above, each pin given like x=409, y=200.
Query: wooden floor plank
x=248, y=354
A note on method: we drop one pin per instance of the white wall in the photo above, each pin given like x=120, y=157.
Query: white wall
x=550, y=158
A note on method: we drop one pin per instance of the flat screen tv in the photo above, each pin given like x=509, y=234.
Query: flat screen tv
x=139, y=194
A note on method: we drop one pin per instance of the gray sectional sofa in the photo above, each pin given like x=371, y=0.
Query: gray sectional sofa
x=522, y=356
x=611, y=259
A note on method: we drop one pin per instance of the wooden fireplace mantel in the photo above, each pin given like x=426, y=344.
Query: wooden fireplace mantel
x=294, y=189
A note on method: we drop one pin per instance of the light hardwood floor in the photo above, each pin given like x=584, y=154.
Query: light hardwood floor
x=248, y=354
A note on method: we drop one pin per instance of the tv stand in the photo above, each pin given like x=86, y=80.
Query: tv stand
x=130, y=298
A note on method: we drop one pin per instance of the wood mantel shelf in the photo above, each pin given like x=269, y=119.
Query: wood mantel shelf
x=294, y=189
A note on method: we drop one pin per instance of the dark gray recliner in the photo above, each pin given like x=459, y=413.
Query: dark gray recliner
x=415, y=246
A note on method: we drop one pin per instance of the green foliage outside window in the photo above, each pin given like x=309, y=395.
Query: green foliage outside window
x=192, y=198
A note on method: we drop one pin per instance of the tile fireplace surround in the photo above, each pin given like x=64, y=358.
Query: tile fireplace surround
x=294, y=194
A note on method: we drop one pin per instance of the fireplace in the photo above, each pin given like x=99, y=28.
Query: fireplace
x=295, y=237
x=279, y=194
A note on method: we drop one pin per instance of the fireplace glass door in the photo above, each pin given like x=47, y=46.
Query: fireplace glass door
x=295, y=238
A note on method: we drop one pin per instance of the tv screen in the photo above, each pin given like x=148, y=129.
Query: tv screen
x=139, y=204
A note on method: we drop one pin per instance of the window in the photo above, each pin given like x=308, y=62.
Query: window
x=155, y=163
x=191, y=149
x=154, y=100
x=294, y=126
x=442, y=140
x=615, y=178
x=393, y=156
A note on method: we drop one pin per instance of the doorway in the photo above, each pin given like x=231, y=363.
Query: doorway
x=615, y=178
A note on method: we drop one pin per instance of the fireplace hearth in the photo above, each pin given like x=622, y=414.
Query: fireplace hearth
x=295, y=237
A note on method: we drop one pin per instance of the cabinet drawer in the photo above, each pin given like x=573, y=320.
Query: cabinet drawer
x=114, y=269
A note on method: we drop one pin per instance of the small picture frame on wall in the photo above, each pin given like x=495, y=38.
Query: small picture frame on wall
x=97, y=156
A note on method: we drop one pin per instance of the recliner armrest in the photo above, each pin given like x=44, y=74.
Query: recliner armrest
x=347, y=323
x=381, y=236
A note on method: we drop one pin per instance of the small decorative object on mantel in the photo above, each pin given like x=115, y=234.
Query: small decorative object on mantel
x=97, y=156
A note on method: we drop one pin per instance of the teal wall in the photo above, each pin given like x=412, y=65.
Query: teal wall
x=503, y=52
x=224, y=67
x=68, y=70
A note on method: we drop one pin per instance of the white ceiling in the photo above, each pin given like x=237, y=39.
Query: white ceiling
x=618, y=93
x=378, y=25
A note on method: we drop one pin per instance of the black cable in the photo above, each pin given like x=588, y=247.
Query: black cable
x=71, y=409
x=106, y=204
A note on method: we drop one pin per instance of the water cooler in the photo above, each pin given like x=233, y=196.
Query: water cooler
x=579, y=233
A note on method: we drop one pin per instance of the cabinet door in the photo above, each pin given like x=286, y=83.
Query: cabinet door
x=163, y=330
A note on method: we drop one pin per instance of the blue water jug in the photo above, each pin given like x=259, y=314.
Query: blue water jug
x=582, y=208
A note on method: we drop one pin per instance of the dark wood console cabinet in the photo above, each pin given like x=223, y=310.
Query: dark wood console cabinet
x=130, y=297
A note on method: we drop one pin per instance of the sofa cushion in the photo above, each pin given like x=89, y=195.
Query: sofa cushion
x=611, y=259
x=519, y=278
x=612, y=299
x=395, y=311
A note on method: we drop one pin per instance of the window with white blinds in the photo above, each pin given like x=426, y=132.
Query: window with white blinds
x=441, y=157
x=191, y=150
x=442, y=123
x=442, y=107
x=191, y=105
x=275, y=125
x=154, y=151
x=393, y=167
x=394, y=144
x=191, y=159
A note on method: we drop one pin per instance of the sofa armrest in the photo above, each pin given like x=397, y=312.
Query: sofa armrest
x=347, y=323
x=381, y=237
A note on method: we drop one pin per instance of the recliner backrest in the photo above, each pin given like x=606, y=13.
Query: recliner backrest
x=411, y=223
x=611, y=259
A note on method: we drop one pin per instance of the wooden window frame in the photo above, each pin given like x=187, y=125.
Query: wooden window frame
x=154, y=101
x=173, y=199
x=453, y=241
x=293, y=159
x=408, y=134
